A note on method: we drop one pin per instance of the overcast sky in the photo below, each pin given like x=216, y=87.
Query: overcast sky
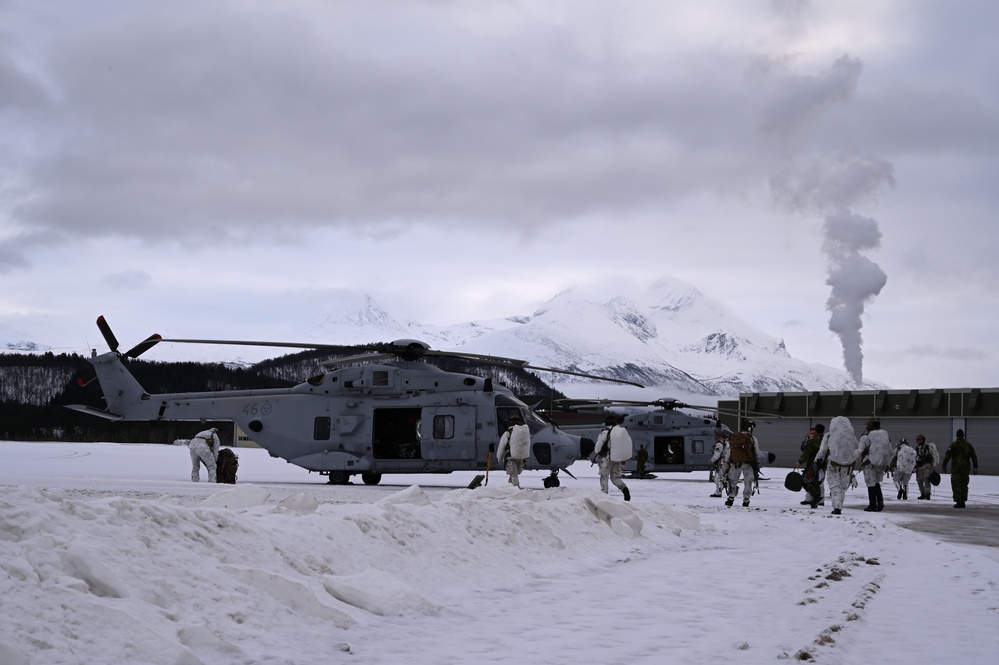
x=220, y=169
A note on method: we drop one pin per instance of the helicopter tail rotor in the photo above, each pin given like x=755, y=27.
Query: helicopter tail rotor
x=112, y=341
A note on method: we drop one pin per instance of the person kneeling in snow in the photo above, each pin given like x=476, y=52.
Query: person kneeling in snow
x=204, y=450
x=614, y=448
x=517, y=438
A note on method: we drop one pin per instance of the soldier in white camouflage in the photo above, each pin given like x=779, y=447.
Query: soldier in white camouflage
x=873, y=458
x=839, y=452
x=719, y=471
x=904, y=465
x=204, y=449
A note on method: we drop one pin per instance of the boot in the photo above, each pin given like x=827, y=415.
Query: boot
x=871, y=501
x=729, y=501
x=899, y=493
x=880, y=498
x=905, y=494
x=626, y=493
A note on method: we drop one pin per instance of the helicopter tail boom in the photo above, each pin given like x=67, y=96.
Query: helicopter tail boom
x=124, y=395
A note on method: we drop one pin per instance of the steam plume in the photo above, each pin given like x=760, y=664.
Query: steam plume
x=831, y=188
x=854, y=279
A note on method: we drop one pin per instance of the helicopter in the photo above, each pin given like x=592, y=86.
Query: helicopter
x=675, y=441
x=384, y=410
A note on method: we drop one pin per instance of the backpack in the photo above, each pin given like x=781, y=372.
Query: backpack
x=740, y=448
x=225, y=466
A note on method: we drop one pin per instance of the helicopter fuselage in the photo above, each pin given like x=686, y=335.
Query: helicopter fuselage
x=391, y=417
x=675, y=441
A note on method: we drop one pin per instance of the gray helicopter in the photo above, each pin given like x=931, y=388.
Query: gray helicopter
x=386, y=410
x=674, y=440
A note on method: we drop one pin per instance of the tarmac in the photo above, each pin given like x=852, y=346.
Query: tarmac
x=974, y=525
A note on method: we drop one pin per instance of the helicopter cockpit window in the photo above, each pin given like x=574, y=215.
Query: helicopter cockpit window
x=443, y=427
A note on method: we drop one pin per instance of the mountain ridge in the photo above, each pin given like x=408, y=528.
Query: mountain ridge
x=669, y=336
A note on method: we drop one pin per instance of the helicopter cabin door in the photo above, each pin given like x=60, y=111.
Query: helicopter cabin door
x=448, y=433
x=668, y=451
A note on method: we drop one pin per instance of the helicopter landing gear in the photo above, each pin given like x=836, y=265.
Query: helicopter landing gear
x=552, y=480
x=371, y=478
x=339, y=478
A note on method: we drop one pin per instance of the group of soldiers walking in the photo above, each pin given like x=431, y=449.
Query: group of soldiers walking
x=834, y=456
x=837, y=459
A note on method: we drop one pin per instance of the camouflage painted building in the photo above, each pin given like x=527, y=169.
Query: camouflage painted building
x=936, y=414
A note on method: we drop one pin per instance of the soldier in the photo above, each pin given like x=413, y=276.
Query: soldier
x=814, y=470
x=905, y=463
x=641, y=457
x=873, y=458
x=927, y=461
x=965, y=460
x=204, y=450
x=719, y=471
x=742, y=458
x=517, y=438
x=614, y=448
x=839, y=451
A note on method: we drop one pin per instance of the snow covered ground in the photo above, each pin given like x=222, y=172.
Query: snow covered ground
x=109, y=554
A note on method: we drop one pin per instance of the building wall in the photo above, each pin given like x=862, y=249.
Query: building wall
x=783, y=419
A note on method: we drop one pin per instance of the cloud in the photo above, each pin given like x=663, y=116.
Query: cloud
x=127, y=280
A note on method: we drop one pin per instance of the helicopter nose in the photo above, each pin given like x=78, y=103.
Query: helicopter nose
x=586, y=447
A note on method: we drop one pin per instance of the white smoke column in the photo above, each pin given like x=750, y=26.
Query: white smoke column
x=830, y=186
x=854, y=279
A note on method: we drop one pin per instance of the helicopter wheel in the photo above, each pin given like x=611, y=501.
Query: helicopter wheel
x=371, y=478
x=551, y=481
x=339, y=477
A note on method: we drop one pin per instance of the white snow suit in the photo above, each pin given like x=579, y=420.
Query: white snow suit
x=875, y=447
x=204, y=450
x=612, y=464
x=839, y=450
x=905, y=463
x=518, y=439
x=720, y=470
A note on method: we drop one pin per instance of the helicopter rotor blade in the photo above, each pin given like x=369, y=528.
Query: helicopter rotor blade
x=245, y=342
x=407, y=350
x=105, y=329
x=583, y=375
x=143, y=346
x=350, y=360
x=479, y=357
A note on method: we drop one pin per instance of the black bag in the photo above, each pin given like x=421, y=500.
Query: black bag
x=225, y=466
x=793, y=481
x=934, y=478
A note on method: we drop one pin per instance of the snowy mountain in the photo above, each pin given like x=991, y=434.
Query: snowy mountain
x=670, y=336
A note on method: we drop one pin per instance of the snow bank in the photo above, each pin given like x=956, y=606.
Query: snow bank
x=118, y=579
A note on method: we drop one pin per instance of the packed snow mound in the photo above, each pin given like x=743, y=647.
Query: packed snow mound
x=130, y=567
x=240, y=497
x=379, y=593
